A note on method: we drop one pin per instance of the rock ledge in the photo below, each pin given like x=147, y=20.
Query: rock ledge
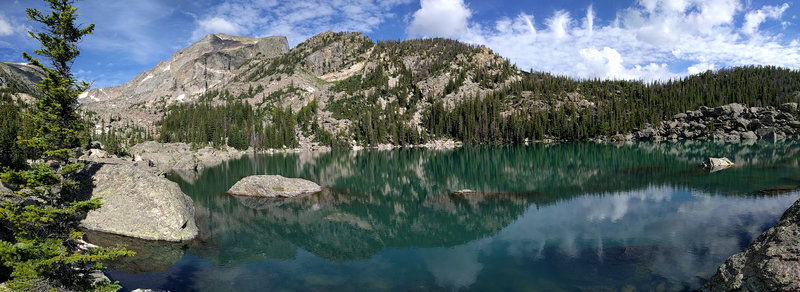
x=770, y=263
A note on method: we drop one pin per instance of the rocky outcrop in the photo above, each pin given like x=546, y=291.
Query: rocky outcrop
x=328, y=53
x=179, y=156
x=273, y=186
x=139, y=204
x=771, y=263
x=732, y=122
x=4, y=191
x=717, y=162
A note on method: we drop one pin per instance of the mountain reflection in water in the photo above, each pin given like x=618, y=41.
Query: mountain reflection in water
x=545, y=217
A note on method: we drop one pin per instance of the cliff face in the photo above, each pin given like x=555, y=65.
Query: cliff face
x=771, y=263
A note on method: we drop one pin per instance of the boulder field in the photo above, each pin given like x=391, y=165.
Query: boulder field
x=732, y=122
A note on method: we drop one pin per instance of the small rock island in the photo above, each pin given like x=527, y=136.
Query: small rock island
x=273, y=186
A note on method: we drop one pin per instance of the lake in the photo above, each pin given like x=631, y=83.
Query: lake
x=550, y=217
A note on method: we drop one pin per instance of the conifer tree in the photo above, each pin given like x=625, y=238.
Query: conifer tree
x=59, y=125
x=43, y=251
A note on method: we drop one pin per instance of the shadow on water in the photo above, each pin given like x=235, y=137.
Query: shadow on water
x=642, y=216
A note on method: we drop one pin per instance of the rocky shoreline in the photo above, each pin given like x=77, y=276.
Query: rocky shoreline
x=180, y=156
x=733, y=122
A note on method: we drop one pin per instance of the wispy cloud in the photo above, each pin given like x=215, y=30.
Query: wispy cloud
x=5, y=27
x=648, y=40
x=136, y=30
x=753, y=19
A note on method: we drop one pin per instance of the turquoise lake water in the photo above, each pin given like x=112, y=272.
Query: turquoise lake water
x=551, y=217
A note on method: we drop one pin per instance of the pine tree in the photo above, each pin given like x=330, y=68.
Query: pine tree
x=59, y=125
x=44, y=250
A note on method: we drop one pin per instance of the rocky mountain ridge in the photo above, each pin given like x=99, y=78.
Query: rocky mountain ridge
x=190, y=72
x=265, y=72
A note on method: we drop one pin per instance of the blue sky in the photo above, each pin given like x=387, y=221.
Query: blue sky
x=640, y=39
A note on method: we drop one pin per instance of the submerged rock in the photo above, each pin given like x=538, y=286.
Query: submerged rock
x=771, y=263
x=140, y=204
x=273, y=186
x=778, y=190
x=151, y=256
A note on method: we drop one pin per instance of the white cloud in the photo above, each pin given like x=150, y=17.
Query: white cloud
x=440, y=18
x=136, y=31
x=8, y=27
x=700, y=67
x=604, y=64
x=216, y=25
x=755, y=18
x=589, y=22
x=644, y=41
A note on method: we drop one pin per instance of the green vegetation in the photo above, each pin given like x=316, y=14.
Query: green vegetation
x=11, y=126
x=235, y=124
x=225, y=95
x=467, y=93
x=40, y=242
x=604, y=108
x=116, y=140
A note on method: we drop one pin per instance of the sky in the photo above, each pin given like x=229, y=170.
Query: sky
x=615, y=39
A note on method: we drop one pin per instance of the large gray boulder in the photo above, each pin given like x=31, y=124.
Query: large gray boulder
x=273, y=186
x=789, y=107
x=771, y=263
x=140, y=204
x=749, y=135
x=770, y=134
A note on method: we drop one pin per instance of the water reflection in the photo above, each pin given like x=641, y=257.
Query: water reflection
x=550, y=217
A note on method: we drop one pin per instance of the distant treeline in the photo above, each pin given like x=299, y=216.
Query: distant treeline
x=235, y=124
x=604, y=107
